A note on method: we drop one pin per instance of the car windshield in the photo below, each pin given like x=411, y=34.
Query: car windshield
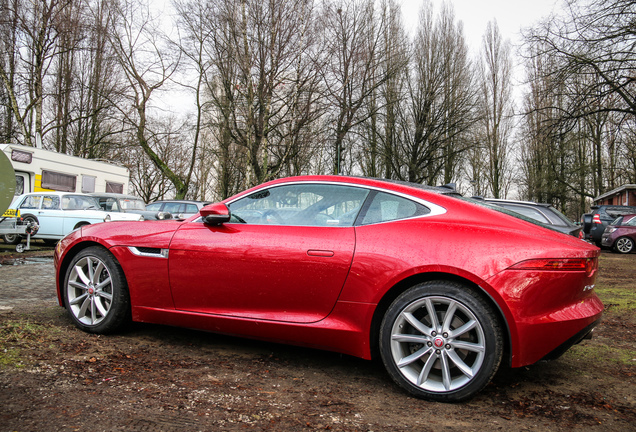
x=79, y=202
x=132, y=204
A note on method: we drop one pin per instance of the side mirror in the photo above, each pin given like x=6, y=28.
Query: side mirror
x=215, y=214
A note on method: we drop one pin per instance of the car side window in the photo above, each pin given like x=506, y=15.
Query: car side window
x=153, y=207
x=31, y=202
x=631, y=222
x=387, y=207
x=174, y=208
x=526, y=211
x=191, y=208
x=300, y=205
x=50, y=202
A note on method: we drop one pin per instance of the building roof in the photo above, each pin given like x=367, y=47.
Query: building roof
x=615, y=191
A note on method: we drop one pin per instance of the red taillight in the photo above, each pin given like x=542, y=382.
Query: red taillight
x=563, y=264
x=596, y=219
x=581, y=235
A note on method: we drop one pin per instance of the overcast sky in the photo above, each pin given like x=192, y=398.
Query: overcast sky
x=511, y=15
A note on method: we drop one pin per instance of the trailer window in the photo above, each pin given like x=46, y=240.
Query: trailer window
x=114, y=187
x=58, y=181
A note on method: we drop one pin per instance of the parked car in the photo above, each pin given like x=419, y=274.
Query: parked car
x=620, y=235
x=58, y=213
x=437, y=286
x=113, y=202
x=180, y=209
x=594, y=223
x=544, y=213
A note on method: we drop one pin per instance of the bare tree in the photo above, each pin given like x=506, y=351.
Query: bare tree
x=496, y=109
x=142, y=54
x=440, y=113
x=353, y=69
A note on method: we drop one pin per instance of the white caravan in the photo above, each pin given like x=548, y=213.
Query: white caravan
x=38, y=170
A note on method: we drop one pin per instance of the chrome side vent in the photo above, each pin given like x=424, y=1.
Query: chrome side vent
x=149, y=252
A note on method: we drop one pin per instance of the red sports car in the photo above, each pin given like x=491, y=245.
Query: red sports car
x=442, y=288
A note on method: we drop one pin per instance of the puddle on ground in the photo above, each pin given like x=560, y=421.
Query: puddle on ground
x=25, y=261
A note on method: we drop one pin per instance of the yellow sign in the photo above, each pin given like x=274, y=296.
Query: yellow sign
x=11, y=213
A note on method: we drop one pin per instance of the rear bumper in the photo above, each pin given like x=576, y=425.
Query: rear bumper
x=586, y=333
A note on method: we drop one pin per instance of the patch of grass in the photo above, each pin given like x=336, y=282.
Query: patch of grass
x=603, y=353
x=616, y=283
x=17, y=335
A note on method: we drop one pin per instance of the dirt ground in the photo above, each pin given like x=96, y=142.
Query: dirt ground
x=158, y=378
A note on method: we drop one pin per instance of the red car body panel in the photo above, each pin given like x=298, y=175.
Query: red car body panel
x=321, y=286
x=314, y=260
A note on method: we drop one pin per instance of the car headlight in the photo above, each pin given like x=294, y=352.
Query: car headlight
x=611, y=229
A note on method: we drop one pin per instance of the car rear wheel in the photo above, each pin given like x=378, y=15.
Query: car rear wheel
x=624, y=245
x=441, y=341
x=96, y=292
x=12, y=239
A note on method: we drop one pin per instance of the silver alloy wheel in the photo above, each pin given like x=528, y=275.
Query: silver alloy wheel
x=624, y=245
x=90, y=290
x=438, y=344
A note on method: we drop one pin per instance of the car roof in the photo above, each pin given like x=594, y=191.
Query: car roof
x=114, y=195
x=60, y=193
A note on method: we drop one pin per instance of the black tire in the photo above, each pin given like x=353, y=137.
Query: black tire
x=624, y=245
x=425, y=358
x=12, y=239
x=96, y=299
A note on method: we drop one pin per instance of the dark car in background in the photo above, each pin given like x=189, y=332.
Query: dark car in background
x=594, y=223
x=544, y=213
x=620, y=235
x=180, y=209
x=114, y=202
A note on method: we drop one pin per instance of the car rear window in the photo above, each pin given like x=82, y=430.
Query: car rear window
x=615, y=212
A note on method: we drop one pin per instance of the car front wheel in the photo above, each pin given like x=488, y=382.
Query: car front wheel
x=96, y=293
x=624, y=245
x=441, y=341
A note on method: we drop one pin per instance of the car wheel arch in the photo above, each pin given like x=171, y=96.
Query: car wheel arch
x=81, y=224
x=409, y=282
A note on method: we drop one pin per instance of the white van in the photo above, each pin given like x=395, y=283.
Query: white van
x=39, y=170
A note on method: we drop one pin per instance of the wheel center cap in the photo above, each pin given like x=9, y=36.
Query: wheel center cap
x=91, y=290
x=438, y=342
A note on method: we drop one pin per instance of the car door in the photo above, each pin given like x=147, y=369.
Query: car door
x=284, y=256
x=50, y=216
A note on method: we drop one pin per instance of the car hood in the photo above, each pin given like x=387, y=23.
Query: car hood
x=155, y=234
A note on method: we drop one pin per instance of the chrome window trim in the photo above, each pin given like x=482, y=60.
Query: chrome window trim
x=435, y=210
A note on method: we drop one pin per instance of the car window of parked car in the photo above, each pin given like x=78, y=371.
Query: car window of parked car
x=631, y=222
x=108, y=204
x=387, y=207
x=50, y=202
x=78, y=202
x=154, y=207
x=173, y=208
x=31, y=202
x=614, y=212
x=191, y=208
x=300, y=205
x=526, y=211
x=132, y=204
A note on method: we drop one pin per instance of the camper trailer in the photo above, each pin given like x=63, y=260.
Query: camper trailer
x=39, y=170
